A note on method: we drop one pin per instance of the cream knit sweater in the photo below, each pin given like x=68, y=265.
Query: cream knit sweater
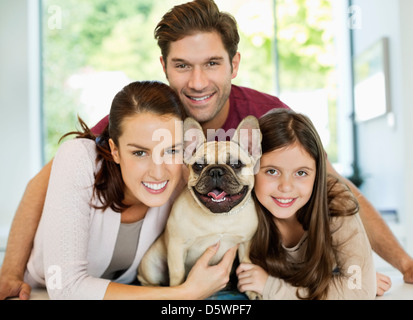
x=357, y=276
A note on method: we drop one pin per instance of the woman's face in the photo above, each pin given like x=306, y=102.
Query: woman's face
x=150, y=157
x=285, y=181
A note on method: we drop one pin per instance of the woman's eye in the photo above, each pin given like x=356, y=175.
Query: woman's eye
x=173, y=151
x=139, y=153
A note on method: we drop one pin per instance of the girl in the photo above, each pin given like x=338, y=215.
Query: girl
x=108, y=200
x=310, y=243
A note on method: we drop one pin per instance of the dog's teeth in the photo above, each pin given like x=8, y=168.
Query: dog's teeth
x=220, y=200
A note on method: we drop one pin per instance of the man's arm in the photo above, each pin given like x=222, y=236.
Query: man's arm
x=382, y=240
x=21, y=236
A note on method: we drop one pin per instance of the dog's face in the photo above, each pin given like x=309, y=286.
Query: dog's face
x=221, y=173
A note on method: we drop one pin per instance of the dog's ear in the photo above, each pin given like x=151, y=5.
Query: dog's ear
x=193, y=137
x=248, y=136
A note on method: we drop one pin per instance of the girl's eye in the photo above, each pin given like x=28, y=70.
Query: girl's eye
x=301, y=173
x=272, y=172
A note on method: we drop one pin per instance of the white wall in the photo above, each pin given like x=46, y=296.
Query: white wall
x=384, y=157
x=406, y=10
x=19, y=104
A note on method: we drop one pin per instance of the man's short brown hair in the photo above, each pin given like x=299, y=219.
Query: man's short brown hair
x=197, y=16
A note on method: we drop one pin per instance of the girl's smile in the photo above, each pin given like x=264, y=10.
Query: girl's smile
x=284, y=203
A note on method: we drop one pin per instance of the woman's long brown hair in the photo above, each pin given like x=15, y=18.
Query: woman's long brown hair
x=281, y=128
x=135, y=98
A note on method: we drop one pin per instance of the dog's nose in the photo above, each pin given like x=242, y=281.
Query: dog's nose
x=216, y=172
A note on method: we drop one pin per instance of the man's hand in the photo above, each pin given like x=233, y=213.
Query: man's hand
x=407, y=271
x=12, y=287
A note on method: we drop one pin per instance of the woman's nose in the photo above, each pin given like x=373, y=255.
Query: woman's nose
x=157, y=169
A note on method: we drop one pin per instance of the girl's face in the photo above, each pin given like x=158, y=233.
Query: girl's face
x=150, y=158
x=285, y=181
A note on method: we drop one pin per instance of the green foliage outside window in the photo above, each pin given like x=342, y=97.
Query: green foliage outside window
x=105, y=35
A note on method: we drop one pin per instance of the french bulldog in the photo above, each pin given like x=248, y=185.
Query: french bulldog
x=216, y=205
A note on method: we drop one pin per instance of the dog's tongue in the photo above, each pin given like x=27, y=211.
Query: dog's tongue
x=217, y=194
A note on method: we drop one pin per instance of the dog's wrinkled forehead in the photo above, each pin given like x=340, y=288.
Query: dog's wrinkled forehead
x=223, y=152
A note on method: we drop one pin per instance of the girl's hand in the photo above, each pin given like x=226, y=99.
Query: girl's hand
x=204, y=280
x=383, y=283
x=251, y=278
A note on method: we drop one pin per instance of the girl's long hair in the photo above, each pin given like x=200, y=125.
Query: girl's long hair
x=135, y=98
x=281, y=128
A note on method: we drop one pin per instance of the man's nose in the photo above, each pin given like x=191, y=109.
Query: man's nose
x=198, y=80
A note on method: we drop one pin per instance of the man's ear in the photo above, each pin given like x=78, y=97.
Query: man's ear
x=163, y=63
x=114, y=150
x=235, y=64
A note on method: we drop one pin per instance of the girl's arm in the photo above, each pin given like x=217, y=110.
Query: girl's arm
x=356, y=279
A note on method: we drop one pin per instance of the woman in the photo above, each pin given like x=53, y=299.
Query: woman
x=108, y=200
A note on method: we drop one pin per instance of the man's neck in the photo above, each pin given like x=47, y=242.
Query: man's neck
x=218, y=121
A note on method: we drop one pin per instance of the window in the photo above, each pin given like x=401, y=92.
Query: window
x=91, y=49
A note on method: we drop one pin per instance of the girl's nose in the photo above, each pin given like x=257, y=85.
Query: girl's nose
x=285, y=184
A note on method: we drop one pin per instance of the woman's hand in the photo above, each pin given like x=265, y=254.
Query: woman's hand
x=204, y=280
x=251, y=278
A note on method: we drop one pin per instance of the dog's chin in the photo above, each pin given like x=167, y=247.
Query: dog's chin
x=224, y=204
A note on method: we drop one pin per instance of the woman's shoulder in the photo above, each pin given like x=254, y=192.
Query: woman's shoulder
x=79, y=152
x=79, y=147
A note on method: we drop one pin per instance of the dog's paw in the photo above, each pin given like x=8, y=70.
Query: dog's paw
x=253, y=295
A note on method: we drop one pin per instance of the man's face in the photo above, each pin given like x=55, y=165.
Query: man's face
x=199, y=70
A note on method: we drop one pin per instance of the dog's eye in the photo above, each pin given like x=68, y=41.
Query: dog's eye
x=236, y=166
x=198, y=167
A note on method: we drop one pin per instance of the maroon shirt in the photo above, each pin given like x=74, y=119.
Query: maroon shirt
x=242, y=102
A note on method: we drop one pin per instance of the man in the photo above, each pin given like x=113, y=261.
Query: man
x=199, y=57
